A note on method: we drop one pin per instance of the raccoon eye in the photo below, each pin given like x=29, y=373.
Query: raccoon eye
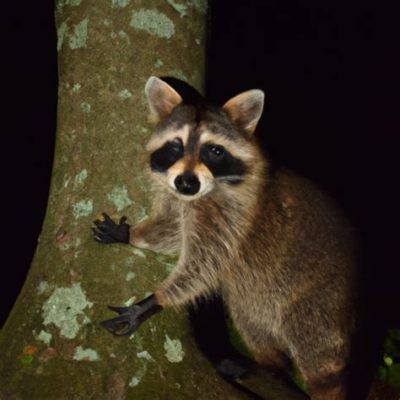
x=217, y=151
x=176, y=145
x=167, y=155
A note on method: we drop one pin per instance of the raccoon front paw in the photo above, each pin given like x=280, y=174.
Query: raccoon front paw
x=126, y=323
x=131, y=317
x=107, y=231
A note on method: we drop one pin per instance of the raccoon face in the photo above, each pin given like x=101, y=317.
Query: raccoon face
x=196, y=149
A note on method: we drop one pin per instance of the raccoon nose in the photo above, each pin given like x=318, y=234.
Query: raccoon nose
x=187, y=183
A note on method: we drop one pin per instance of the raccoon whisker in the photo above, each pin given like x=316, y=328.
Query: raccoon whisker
x=230, y=178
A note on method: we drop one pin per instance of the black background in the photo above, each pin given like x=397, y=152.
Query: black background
x=330, y=71
x=28, y=115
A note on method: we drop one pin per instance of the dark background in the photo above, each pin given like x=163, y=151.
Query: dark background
x=330, y=71
x=28, y=115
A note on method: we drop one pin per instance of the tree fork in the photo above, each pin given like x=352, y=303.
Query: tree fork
x=52, y=346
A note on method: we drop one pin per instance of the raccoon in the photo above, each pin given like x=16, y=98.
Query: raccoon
x=276, y=248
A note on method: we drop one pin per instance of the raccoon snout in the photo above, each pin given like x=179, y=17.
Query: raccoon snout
x=187, y=183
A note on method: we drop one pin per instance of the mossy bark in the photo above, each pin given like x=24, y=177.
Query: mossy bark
x=51, y=344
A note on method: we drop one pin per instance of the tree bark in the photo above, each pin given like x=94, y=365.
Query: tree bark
x=51, y=344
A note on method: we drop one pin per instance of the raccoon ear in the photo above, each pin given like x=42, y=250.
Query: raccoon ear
x=245, y=109
x=162, y=98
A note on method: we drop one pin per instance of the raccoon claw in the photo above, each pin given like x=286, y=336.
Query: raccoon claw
x=127, y=322
x=130, y=318
x=107, y=231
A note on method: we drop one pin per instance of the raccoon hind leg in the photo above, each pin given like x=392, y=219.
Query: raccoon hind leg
x=266, y=350
x=326, y=381
x=271, y=358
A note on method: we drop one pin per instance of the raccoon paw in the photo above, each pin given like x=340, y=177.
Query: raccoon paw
x=107, y=231
x=131, y=317
x=232, y=369
x=127, y=321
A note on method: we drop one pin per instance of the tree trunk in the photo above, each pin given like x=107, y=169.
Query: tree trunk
x=51, y=344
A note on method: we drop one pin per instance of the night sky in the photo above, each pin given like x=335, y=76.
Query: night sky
x=330, y=71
